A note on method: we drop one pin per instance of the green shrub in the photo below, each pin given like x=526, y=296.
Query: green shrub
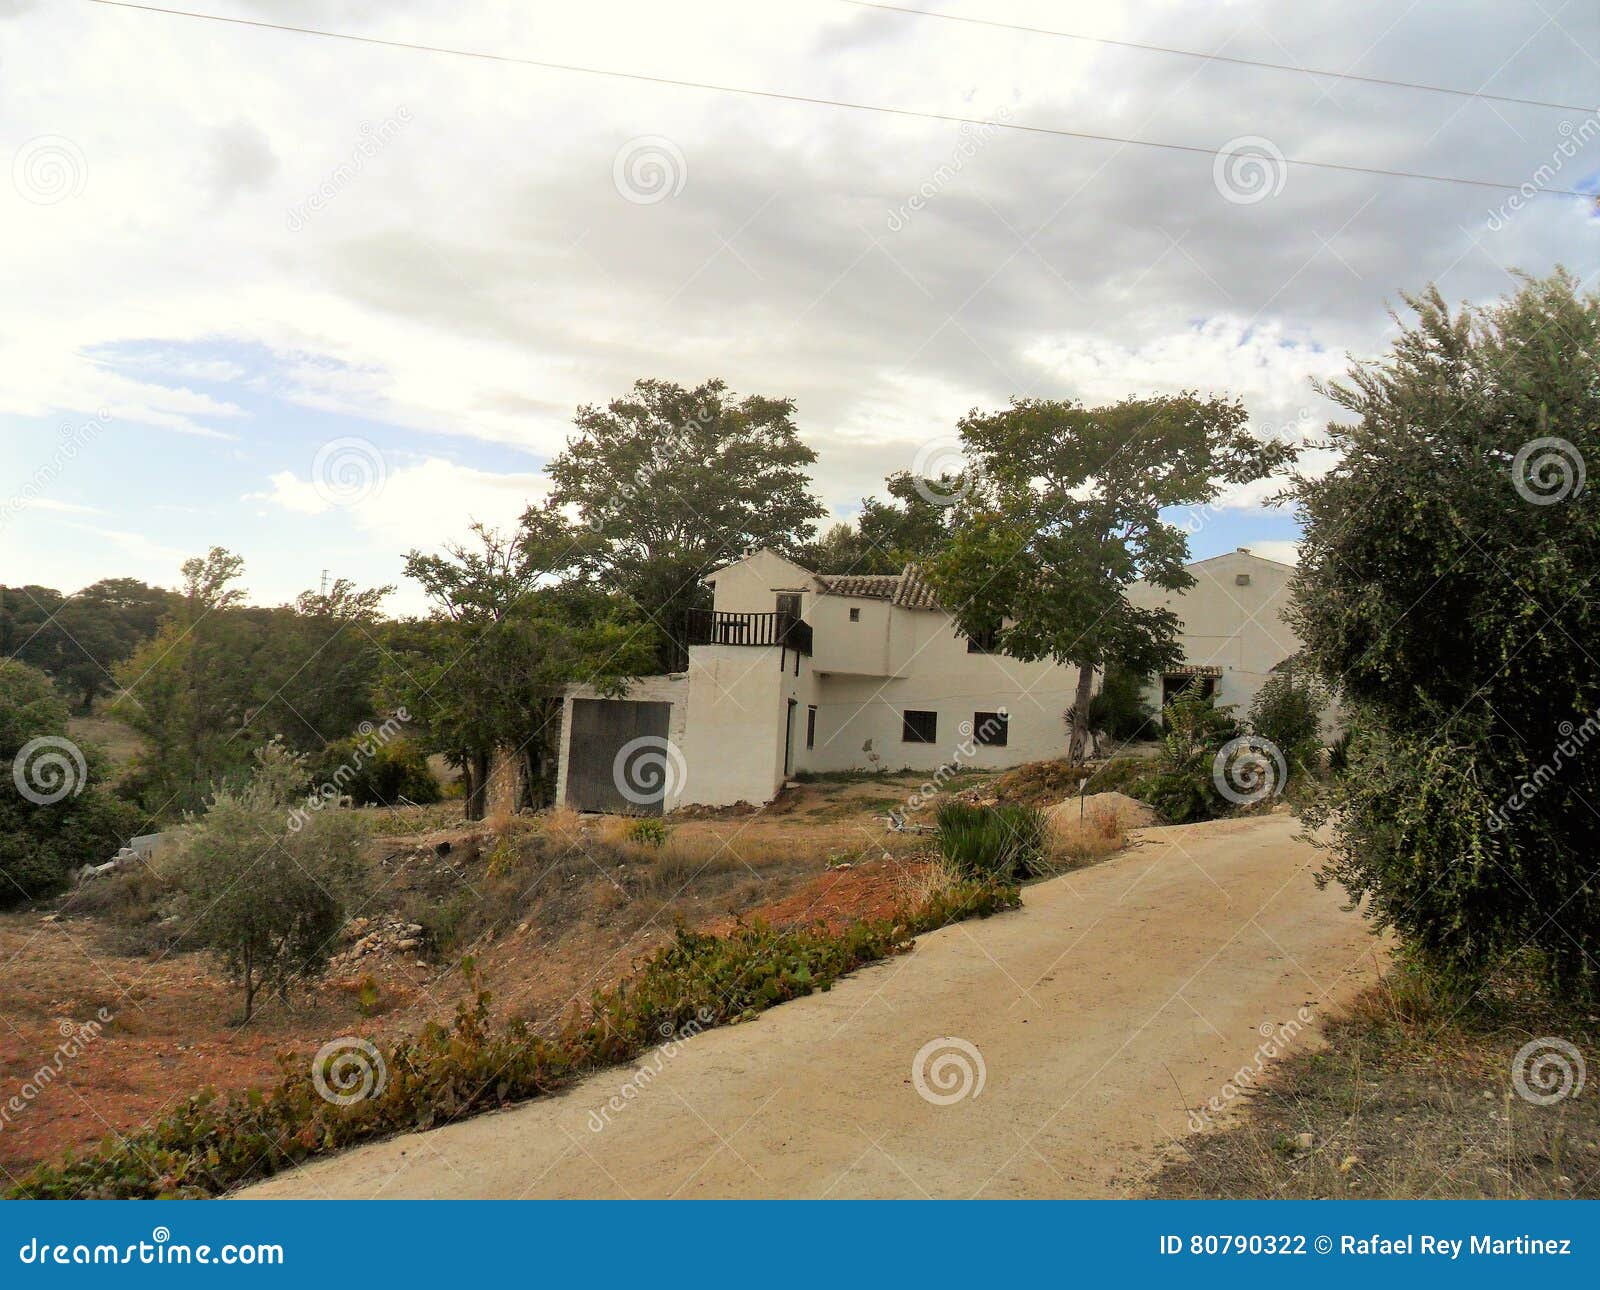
x=648, y=832
x=266, y=888
x=1120, y=775
x=1004, y=843
x=211, y=1144
x=1181, y=785
x=43, y=840
x=1447, y=581
x=1287, y=710
x=373, y=774
x=1118, y=709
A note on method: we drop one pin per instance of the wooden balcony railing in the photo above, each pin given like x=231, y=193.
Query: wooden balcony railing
x=707, y=627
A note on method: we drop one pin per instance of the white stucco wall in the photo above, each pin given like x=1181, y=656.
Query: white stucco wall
x=1240, y=629
x=751, y=585
x=738, y=705
x=934, y=672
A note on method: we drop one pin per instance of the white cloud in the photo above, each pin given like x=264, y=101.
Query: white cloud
x=424, y=505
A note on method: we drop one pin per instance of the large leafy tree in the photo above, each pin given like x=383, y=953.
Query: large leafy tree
x=912, y=524
x=78, y=640
x=55, y=813
x=669, y=482
x=1061, y=511
x=1448, y=586
x=486, y=671
x=187, y=690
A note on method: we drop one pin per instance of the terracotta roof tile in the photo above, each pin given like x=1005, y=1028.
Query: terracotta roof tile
x=908, y=589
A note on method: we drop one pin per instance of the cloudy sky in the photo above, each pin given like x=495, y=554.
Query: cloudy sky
x=319, y=301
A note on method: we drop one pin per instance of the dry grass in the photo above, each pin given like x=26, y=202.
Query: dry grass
x=1412, y=1097
x=1076, y=842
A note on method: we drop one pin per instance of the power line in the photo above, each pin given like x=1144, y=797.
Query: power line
x=1221, y=58
x=882, y=109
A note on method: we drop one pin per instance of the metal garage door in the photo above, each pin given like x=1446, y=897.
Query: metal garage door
x=617, y=761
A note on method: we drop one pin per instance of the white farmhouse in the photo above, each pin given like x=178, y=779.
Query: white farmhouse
x=1234, y=631
x=797, y=671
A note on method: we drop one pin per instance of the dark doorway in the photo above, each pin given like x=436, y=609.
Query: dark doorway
x=618, y=760
x=788, y=740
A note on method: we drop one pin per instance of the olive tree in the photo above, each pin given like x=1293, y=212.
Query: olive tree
x=266, y=887
x=1447, y=587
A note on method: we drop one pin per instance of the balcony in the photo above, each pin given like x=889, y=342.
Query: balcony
x=708, y=627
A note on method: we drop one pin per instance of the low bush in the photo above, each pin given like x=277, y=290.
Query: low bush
x=648, y=832
x=211, y=1144
x=1005, y=843
x=392, y=774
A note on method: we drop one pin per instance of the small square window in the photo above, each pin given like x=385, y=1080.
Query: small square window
x=919, y=727
x=983, y=642
x=1241, y=579
x=855, y=615
x=991, y=729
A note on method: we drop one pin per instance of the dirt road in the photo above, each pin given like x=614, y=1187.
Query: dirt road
x=1081, y=1018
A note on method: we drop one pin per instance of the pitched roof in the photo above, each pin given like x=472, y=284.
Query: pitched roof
x=907, y=589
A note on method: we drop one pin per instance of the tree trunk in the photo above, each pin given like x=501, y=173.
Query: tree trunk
x=477, y=784
x=249, y=986
x=1078, y=742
